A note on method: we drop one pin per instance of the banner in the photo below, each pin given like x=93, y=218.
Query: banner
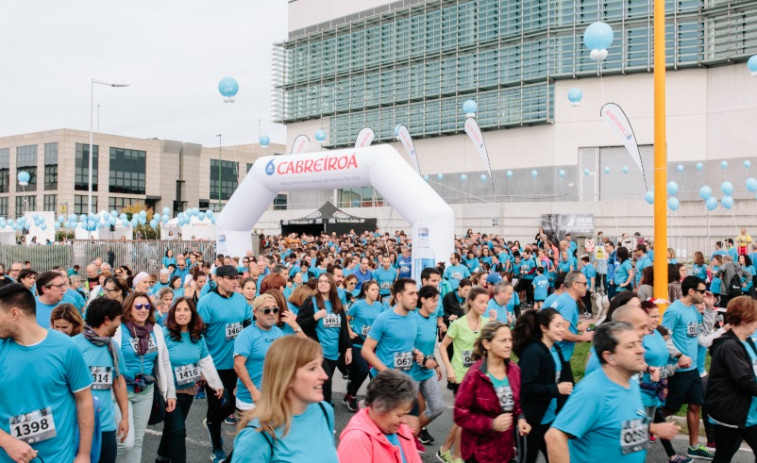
x=403, y=135
x=614, y=115
x=364, y=138
x=300, y=144
x=474, y=132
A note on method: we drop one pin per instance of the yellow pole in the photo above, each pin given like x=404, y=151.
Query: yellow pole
x=660, y=156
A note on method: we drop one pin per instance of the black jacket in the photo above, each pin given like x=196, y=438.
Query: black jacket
x=451, y=305
x=308, y=323
x=537, y=380
x=731, y=383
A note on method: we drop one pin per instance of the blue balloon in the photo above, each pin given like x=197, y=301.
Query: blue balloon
x=153, y=223
x=56, y=226
x=71, y=218
x=143, y=214
x=201, y=216
x=711, y=203
x=125, y=222
x=534, y=173
x=43, y=227
x=142, y=220
x=83, y=218
x=23, y=177
x=213, y=220
x=751, y=64
x=673, y=203
x=679, y=168
x=607, y=169
x=61, y=218
x=228, y=86
x=700, y=166
x=726, y=202
x=672, y=188
x=625, y=169
x=575, y=95
x=561, y=173
x=166, y=211
x=649, y=196
x=724, y=165
x=747, y=164
x=320, y=135
x=114, y=213
x=726, y=188
x=134, y=222
x=164, y=219
x=209, y=212
x=425, y=177
x=598, y=36
x=751, y=184
x=705, y=192
x=463, y=177
x=509, y=174
x=484, y=177
x=470, y=107
x=586, y=172
x=264, y=141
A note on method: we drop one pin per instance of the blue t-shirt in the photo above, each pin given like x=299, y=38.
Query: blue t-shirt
x=589, y=272
x=328, y=329
x=405, y=266
x=363, y=315
x=253, y=343
x=641, y=264
x=608, y=421
x=385, y=278
x=541, y=285
x=168, y=261
x=73, y=297
x=621, y=274
x=699, y=271
x=551, y=413
x=550, y=299
x=656, y=355
x=38, y=384
x=715, y=283
x=395, y=441
x=454, y=273
x=134, y=363
x=502, y=311
x=44, y=311
x=310, y=438
x=425, y=341
x=592, y=363
x=751, y=418
x=395, y=335
x=100, y=363
x=361, y=277
x=528, y=268
x=185, y=358
x=225, y=318
x=568, y=308
x=683, y=323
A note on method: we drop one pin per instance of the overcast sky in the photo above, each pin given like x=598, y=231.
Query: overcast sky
x=172, y=54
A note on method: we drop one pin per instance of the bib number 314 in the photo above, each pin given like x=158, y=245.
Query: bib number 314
x=34, y=426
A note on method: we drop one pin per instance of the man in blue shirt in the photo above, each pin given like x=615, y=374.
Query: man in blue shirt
x=566, y=304
x=642, y=262
x=41, y=408
x=604, y=418
x=385, y=277
x=455, y=272
x=404, y=262
x=362, y=273
x=591, y=277
x=51, y=287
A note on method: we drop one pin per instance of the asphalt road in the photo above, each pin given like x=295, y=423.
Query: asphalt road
x=198, y=441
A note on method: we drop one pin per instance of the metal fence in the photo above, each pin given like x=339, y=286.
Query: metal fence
x=139, y=255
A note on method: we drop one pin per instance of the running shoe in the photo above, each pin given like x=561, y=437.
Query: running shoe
x=350, y=402
x=231, y=419
x=425, y=437
x=217, y=456
x=200, y=394
x=700, y=451
x=680, y=459
x=444, y=456
x=418, y=445
x=711, y=446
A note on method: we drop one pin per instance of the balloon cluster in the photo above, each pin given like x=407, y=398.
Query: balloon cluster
x=185, y=218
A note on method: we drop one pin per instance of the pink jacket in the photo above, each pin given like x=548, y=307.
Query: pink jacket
x=362, y=441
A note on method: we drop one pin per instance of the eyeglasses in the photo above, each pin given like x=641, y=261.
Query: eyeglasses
x=152, y=282
x=352, y=283
x=143, y=306
x=323, y=281
x=112, y=290
x=268, y=310
x=701, y=291
x=62, y=285
x=581, y=282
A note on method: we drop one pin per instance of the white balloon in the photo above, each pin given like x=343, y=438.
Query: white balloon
x=602, y=54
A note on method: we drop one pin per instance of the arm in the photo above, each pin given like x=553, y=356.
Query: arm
x=445, y=358
x=465, y=415
x=208, y=369
x=306, y=318
x=244, y=376
x=369, y=354
x=557, y=446
x=85, y=417
x=16, y=449
x=122, y=399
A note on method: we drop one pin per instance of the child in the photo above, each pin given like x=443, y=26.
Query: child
x=540, y=284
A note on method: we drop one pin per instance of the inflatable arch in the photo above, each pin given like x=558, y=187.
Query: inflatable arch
x=380, y=166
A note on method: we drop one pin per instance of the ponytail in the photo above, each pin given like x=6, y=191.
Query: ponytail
x=527, y=327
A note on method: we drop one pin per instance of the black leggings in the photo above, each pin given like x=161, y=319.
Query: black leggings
x=358, y=371
x=219, y=409
x=534, y=442
x=329, y=366
x=659, y=417
x=728, y=441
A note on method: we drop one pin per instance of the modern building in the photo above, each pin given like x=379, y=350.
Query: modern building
x=378, y=63
x=158, y=173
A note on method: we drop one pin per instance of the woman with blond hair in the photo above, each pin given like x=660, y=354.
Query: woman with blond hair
x=291, y=422
x=66, y=319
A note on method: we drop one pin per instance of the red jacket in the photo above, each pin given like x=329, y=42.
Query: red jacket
x=363, y=442
x=476, y=406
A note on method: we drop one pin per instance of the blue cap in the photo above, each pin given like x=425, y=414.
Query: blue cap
x=494, y=278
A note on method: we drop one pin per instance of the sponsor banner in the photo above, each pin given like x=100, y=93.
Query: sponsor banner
x=474, y=133
x=618, y=121
x=403, y=135
x=314, y=169
x=300, y=144
x=557, y=225
x=364, y=138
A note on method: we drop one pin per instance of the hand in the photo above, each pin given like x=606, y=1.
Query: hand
x=492, y=314
x=588, y=336
x=123, y=429
x=709, y=300
x=684, y=361
x=82, y=458
x=667, y=430
x=348, y=357
x=727, y=327
x=255, y=394
x=654, y=374
x=523, y=427
x=290, y=319
x=19, y=451
x=451, y=376
x=170, y=405
x=418, y=357
x=503, y=422
x=452, y=318
x=565, y=388
x=353, y=335
x=320, y=314
x=443, y=328
x=219, y=393
x=583, y=326
x=438, y=373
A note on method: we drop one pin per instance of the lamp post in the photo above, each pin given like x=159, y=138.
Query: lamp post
x=219, y=171
x=91, y=133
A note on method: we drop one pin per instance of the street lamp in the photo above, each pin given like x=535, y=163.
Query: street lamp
x=91, y=133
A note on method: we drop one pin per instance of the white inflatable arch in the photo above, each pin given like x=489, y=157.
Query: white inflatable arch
x=380, y=166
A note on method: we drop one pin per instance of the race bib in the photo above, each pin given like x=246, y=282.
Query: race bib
x=467, y=358
x=187, y=374
x=403, y=361
x=505, y=396
x=386, y=285
x=331, y=320
x=102, y=378
x=754, y=367
x=634, y=435
x=404, y=269
x=232, y=330
x=365, y=330
x=33, y=427
x=692, y=329
x=151, y=346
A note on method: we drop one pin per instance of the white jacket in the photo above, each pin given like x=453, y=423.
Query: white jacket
x=163, y=372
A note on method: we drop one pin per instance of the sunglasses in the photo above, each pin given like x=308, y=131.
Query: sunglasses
x=143, y=306
x=701, y=291
x=267, y=311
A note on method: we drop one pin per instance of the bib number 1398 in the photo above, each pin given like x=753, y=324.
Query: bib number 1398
x=33, y=427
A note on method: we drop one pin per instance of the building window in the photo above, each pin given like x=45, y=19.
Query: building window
x=4, y=207
x=119, y=203
x=80, y=204
x=360, y=197
x=229, y=179
x=51, y=166
x=81, y=167
x=280, y=202
x=5, y=160
x=25, y=203
x=127, y=171
x=249, y=166
x=51, y=203
x=26, y=161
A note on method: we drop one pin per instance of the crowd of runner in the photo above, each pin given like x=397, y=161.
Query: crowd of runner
x=89, y=357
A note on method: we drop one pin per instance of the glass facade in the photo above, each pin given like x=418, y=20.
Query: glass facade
x=127, y=171
x=4, y=207
x=51, y=203
x=51, y=166
x=416, y=64
x=25, y=203
x=5, y=164
x=229, y=173
x=80, y=204
x=81, y=169
x=26, y=161
x=115, y=203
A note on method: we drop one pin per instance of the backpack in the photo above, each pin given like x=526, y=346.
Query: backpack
x=734, y=286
